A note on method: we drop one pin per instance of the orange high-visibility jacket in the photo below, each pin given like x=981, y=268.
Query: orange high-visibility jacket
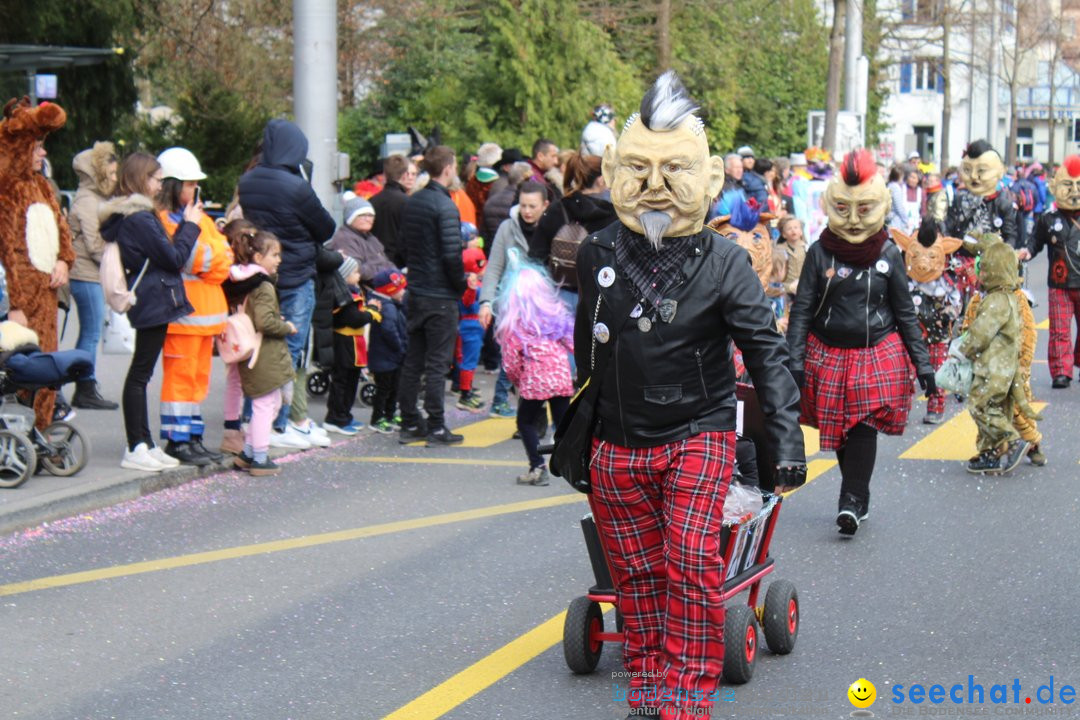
x=206, y=268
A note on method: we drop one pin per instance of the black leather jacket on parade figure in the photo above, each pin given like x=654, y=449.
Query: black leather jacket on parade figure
x=678, y=379
x=850, y=307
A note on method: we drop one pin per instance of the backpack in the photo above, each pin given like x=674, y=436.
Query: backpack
x=1025, y=192
x=564, y=249
x=238, y=340
x=114, y=280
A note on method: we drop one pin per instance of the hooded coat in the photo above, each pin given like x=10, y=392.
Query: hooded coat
x=279, y=199
x=91, y=167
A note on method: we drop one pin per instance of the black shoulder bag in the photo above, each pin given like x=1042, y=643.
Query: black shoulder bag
x=573, y=438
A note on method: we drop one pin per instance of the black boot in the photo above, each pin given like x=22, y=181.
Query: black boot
x=197, y=446
x=87, y=397
x=186, y=454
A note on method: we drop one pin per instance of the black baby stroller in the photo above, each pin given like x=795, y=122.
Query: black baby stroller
x=60, y=449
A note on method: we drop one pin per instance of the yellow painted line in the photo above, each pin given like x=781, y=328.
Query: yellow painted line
x=811, y=440
x=483, y=433
x=1044, y=325
x=241, y=551
x=484, y=673
x=428, y=461
x=953, y=440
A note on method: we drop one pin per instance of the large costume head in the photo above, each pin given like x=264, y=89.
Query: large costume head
x=926, y=253
x=1066, y=184
x=998, y=265
x=22, y=127
x=661, y=176
x=981, y=169
x=748, y=228
x=856, y=200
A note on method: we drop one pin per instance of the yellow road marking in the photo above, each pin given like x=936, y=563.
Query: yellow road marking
x=484, y=673
x=429, y=461
x=1044, y=325
x=953, y=440
x=811, y=440
x=241, y=551
x=483, y=433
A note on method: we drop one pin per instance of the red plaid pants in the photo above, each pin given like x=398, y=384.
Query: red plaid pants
x=1063, y=352
x=660, y=512
x=939, y=351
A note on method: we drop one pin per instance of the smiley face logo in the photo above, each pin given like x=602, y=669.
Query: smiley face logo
x=862, y=693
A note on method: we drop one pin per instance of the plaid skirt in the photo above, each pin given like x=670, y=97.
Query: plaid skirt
x=848, y=386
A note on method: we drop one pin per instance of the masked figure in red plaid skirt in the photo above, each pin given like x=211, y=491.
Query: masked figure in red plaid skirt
x=1060, y=232
x=661, y=298
x=852, y=331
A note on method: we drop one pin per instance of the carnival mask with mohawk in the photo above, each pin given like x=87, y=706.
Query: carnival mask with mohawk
x=856, y=200
x=981, y=169
x=1066, y=184
x=661, y=176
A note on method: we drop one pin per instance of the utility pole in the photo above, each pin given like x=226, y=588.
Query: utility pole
x=315, y=91
x=992, y=81
x=663, y=36
x=946, y=81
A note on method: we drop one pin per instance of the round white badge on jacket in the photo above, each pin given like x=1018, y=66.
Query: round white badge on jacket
x=605, y=277
x=882, y=266
x=1058, y=226
x=997, y=222
x=601, y=333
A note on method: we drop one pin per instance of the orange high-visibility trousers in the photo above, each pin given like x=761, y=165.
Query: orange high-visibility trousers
x=186, y=360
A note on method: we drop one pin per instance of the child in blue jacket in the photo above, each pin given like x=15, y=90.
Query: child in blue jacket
x=386, y=351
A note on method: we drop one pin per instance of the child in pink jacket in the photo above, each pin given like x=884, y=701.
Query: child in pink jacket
x=535, y=331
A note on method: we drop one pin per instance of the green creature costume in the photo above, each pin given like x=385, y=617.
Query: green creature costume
x=993, y=344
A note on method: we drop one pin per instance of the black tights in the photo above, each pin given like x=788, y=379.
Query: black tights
x=857, y=458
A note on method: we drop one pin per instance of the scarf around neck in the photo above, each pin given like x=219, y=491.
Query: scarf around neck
x=861, y=255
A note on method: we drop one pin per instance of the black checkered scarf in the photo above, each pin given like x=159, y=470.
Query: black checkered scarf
x=649, y=271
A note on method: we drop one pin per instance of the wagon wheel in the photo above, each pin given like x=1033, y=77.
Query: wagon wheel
x=781, y=617
x=741, y=638
x=581, y=647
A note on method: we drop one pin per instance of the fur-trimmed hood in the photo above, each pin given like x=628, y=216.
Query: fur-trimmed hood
x=91, y=167
x=124, y=205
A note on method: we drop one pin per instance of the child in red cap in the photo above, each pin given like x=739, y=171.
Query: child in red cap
x=470, y=331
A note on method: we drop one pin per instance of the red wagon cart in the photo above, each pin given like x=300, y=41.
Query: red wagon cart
x=744, y=546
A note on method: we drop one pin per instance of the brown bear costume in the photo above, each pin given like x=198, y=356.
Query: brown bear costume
x=34, y=237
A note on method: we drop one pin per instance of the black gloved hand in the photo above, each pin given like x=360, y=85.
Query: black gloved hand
x=928, y=383
x=800, y=377
x=789, y=476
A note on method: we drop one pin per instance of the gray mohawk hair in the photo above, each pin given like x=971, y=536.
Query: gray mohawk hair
x=667, y=104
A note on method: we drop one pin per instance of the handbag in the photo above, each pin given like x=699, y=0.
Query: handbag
x=573, y=438
x=956, y=373
x=117, y=337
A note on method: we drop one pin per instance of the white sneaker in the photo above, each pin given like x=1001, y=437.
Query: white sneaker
x=311, y=432
x=290, y=439
x=163, y=457
x=140, y=459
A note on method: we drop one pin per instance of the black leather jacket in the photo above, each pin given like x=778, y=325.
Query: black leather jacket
x=1055, y=231
x=431, y=244
x=970, y=214
x=850, y=307
x=678, y=379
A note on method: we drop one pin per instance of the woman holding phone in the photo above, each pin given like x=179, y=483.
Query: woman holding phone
x=190, y=340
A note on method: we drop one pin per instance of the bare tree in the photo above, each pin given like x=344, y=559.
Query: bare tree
x=836, y=74
x=1029, y=21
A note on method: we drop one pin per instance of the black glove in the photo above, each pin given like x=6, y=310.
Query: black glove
x=928, y=383
x=790, y=475
x=799, y=377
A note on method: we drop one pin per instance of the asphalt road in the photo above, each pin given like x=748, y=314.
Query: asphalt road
x=371, y=580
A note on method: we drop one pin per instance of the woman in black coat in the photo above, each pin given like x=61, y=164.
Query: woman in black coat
x=145, y=249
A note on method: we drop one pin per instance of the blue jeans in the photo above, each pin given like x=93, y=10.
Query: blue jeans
x=297, y=305
x=90, y=302
x=502, y=389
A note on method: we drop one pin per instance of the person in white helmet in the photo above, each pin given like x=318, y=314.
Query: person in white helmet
x=189, y=342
